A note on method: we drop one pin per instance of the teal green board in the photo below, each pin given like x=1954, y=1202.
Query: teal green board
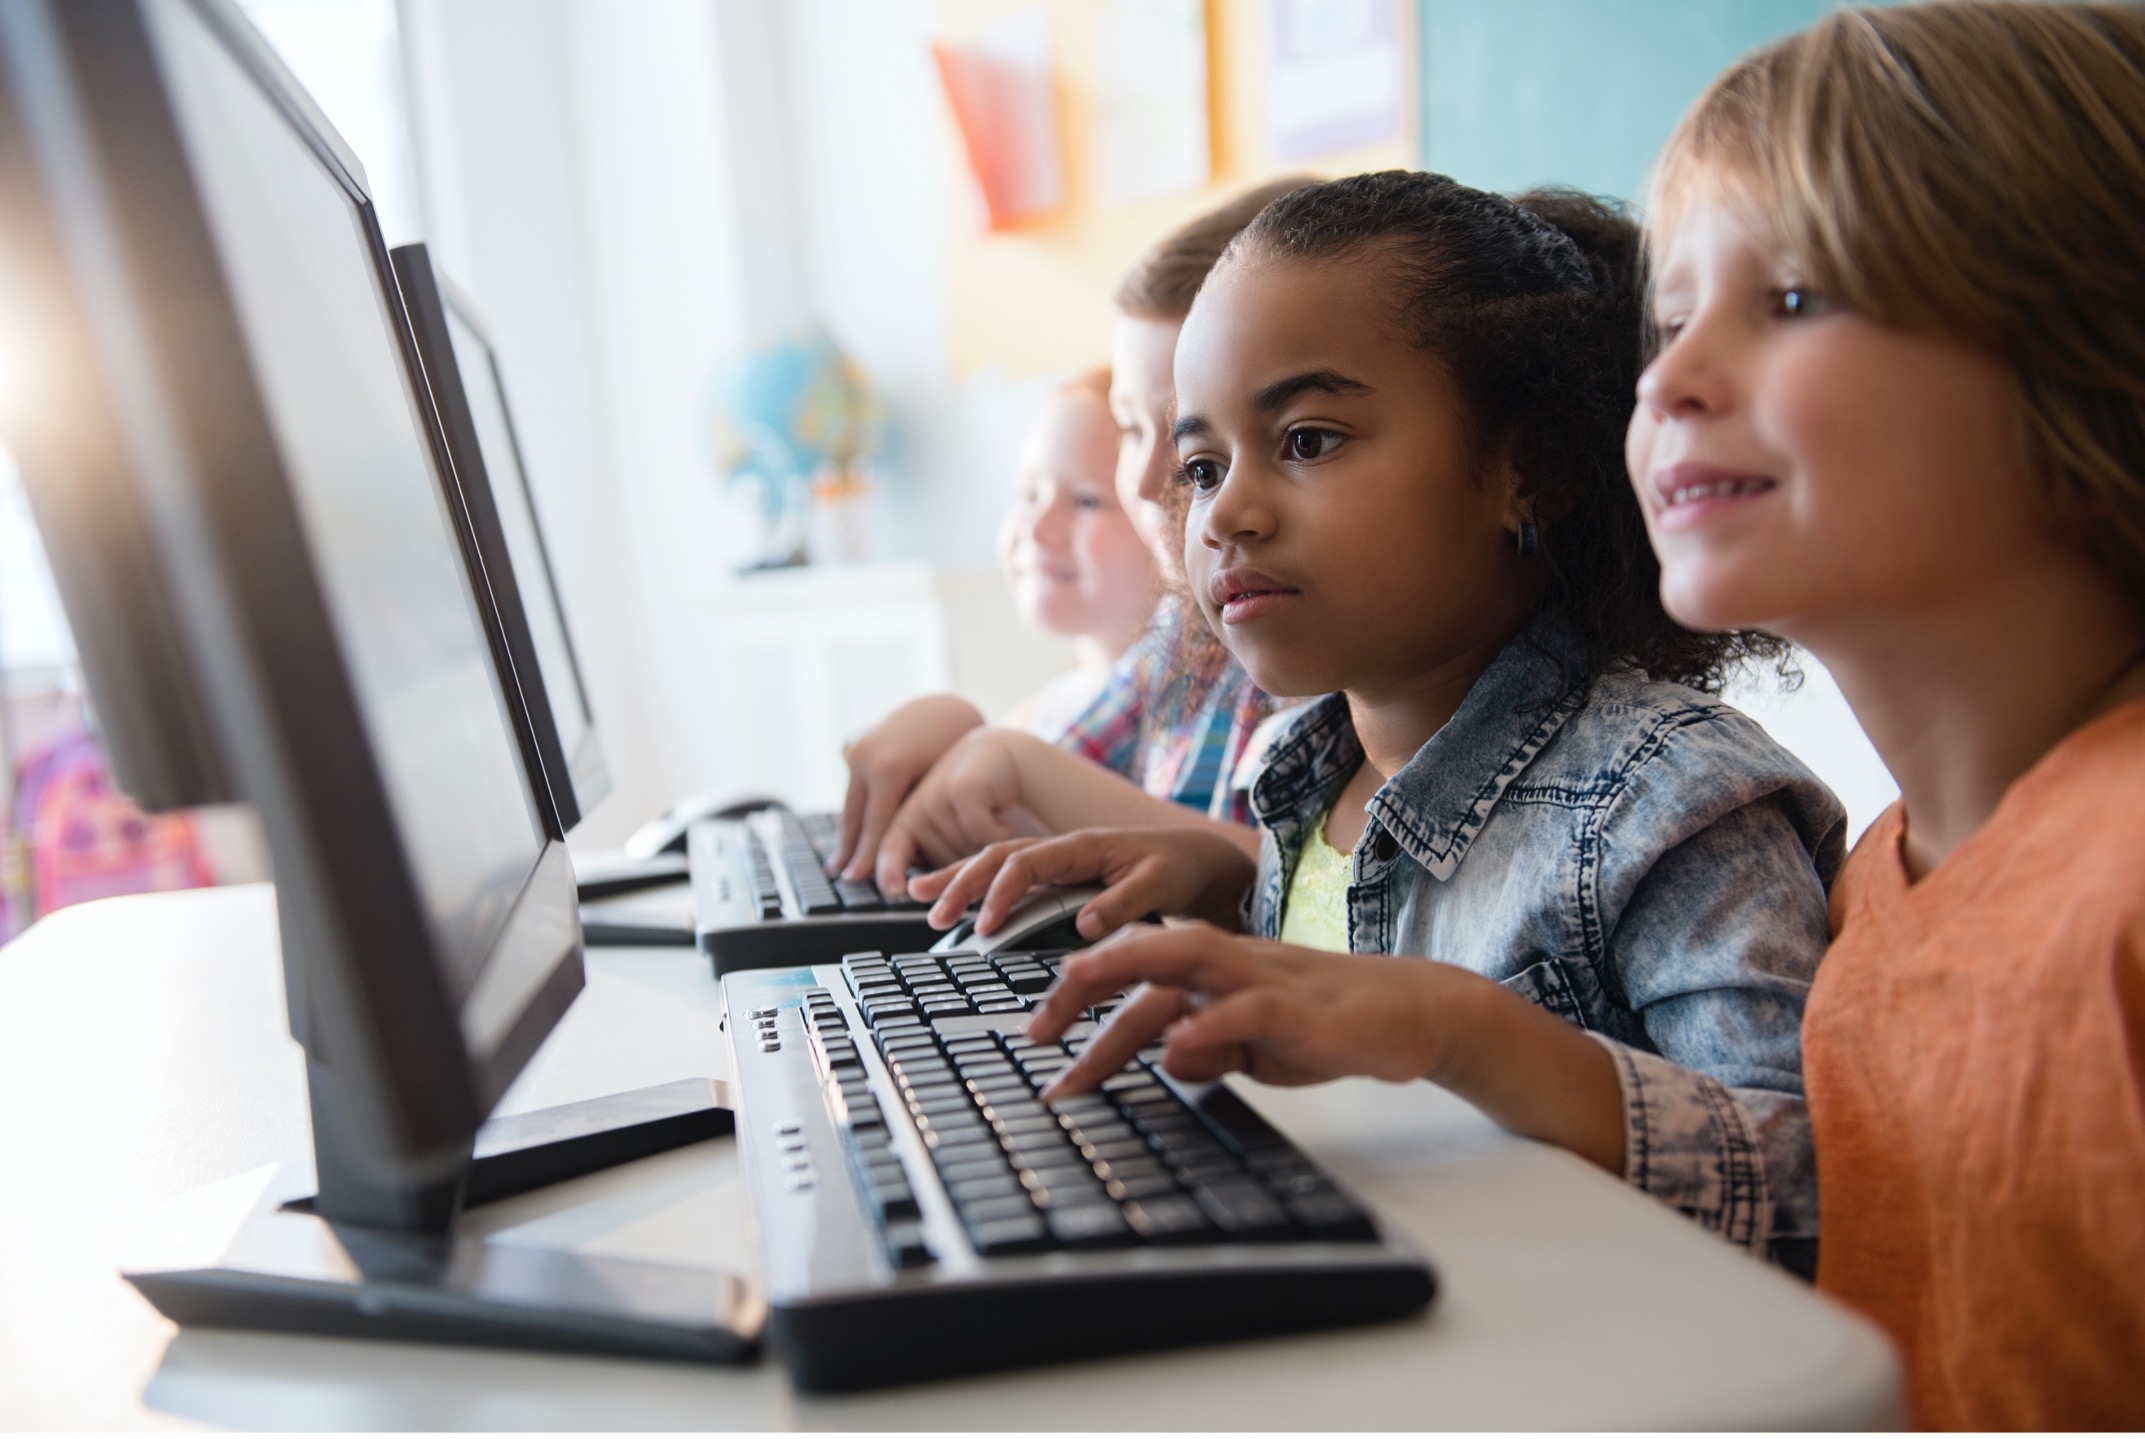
x=1580, y=92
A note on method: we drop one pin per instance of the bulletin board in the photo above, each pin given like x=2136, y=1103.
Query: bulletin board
x=1035, y=298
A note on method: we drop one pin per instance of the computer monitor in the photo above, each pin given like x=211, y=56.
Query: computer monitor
x=226, y=350
x=462, y=370
x=242, y=328
x=96, y=527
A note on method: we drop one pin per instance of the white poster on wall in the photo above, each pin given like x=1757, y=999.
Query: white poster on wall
x=1151, y=99
x=1336, y=80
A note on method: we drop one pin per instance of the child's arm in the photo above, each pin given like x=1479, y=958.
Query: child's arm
x=1195, y=873
x=1287, y=1015
x=995, y=785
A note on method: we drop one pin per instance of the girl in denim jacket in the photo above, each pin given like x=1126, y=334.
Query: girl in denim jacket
x=1401, y=405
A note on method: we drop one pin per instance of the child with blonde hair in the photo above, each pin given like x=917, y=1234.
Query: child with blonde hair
x=1897, y=413
x=1073, y=557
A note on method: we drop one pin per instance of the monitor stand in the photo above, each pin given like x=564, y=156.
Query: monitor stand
x=361, y=1259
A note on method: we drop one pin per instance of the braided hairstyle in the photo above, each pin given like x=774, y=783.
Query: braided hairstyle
x=1533, y=306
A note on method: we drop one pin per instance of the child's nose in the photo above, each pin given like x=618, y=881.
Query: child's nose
x=1688, y=375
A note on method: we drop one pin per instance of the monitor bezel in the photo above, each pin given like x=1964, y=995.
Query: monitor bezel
x=575, y=782
x=369, y=993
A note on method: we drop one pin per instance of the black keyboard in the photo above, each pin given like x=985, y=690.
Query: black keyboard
x=923, y=1213
x=763, y=893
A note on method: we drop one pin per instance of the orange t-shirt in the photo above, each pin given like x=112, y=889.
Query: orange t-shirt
x=1974, y=1051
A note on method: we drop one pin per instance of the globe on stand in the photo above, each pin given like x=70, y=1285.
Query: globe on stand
x=792, y=425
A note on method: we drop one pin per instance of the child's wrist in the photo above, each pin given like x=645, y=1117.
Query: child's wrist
x=1461, y=1023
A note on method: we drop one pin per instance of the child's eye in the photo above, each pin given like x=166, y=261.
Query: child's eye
x=1800, y=302
x=1088, y=502
x=1308, y=442
x=1201, y=475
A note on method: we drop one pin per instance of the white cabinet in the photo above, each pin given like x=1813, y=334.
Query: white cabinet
x=797, y=661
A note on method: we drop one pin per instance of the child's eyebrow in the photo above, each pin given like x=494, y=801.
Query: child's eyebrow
x=1277, y=395
x=1189, y=426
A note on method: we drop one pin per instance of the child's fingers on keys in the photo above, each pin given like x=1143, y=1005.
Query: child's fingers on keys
x=896, y=851
x=1143, y=889
x=1195, y=957
x=1197, y=1063
x=881, y=811
x=1141, y=1020
x=852, y=827
x=931, y=883
x=1226, y=1030
x=953, y=888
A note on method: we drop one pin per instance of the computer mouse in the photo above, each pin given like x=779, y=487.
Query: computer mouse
x=1045, y=920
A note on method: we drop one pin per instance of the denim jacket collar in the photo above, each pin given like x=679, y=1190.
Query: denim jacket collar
x=1436, y=805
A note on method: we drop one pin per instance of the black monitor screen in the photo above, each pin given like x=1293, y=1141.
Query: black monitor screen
x=524, y=538
x=323, y=346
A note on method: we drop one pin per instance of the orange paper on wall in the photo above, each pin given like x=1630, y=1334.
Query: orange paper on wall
x=1000, y=86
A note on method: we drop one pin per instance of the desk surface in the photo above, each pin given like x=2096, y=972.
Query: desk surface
x=143, y=1051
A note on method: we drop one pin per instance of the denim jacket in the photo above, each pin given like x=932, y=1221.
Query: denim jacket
x=1635, y=857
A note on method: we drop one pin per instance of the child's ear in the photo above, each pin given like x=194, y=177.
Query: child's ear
x=1518, y=506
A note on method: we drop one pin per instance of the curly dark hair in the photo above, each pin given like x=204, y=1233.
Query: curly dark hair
x=1533, y=305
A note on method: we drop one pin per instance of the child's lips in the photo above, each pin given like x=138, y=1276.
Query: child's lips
x=1245, y=594
x=1690, y=494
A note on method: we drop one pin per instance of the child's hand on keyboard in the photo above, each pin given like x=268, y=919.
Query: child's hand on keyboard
x=1223, y=1003
x=885, y=763
x=971, y=798
x=1189, y=872
x=1278, y=1012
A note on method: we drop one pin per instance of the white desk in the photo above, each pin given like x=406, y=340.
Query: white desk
x=143, y=1051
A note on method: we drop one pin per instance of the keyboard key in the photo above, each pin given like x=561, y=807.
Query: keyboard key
x=858, y=894
x=1000, y=1006
x=1014, y=1235
x=1013, y=1092
x=1062, y=1178
x=906, y=1247
x=1333, y=1216
x=1243, y=1211
x=1119, y=1150
x=895, y=1201
x=971, y=1169
x=998, y=1186
x=1089, y=1226
x=1027, y=1127
x=1141, y=1186
x=1167, y=1219
x=1010, y=1207
x=1101, y=1131
x=1027, y=981
x=940, y=1133
x=1221, y=1170
x=1029, y=1159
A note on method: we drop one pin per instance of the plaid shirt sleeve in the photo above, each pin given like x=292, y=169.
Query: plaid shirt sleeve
x=1108, y=731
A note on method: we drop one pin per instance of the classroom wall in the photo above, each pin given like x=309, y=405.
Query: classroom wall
x=1037, y=299
x=1576, y=92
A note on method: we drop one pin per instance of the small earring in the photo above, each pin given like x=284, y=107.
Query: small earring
x=1526, y=537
